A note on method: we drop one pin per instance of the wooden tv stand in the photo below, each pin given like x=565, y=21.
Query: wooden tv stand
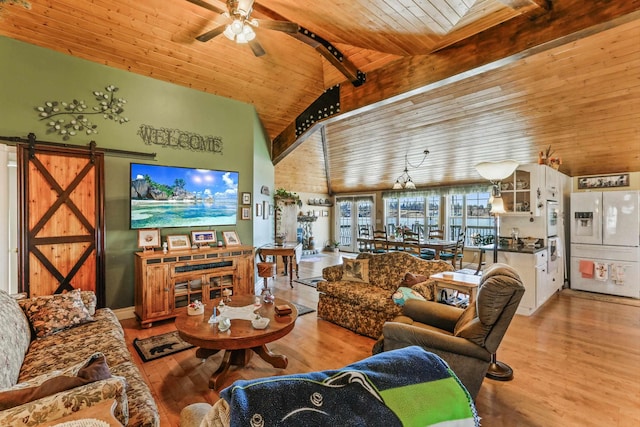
x=167, y=283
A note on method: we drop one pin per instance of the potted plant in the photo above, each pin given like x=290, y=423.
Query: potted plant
x=333, y=246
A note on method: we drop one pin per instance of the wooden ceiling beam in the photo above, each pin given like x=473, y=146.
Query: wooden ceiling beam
x=328, y=51
x=568, y=20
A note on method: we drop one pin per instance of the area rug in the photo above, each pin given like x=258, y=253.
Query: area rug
x=160, y=346
x=312, y=281
x=302, y=309
x=312, y=258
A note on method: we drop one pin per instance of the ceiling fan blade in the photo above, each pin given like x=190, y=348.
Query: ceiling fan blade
x=205, y=37
x=256, y=48
x=206, y=6
x=285, y=26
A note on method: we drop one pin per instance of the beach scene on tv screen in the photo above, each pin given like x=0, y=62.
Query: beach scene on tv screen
x=166, y=196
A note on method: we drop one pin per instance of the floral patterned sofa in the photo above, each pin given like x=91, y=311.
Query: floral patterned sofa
x=49, y=338
x=357, y=294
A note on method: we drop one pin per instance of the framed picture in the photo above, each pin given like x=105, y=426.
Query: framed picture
x=149, y=238
x=178, y=242
x=246, y=198
x=258, y=210
x=245, y=213
x=270, y=209
x=265, y=210
x=203, y=238
x=230, y=238
x=605, y=181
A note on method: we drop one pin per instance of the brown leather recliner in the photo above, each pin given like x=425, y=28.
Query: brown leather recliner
x=464, y=338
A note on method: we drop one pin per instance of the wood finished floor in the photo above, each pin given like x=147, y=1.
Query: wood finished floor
x=576, y=361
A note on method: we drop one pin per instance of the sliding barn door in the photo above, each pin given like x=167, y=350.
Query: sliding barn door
x=61, y=220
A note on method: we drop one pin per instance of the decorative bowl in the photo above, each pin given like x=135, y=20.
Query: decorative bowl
x=194, y=311
x=260, y=323
x=529, y=241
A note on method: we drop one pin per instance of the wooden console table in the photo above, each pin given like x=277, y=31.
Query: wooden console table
x=288, y=251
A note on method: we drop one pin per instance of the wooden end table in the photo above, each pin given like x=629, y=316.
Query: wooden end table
x=241, y=340
x=291, y=252
x=465, y=283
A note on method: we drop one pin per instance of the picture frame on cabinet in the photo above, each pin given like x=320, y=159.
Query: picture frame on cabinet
x=245, y=212
x=149, y=238
x=178, y=242
x=203, y=237
x=246, y=198
x=604, y=181
x=231, y=238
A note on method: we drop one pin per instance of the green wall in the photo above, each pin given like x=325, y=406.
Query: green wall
x=32, y=75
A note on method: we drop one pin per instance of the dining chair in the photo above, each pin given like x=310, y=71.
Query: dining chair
x=380, y=241
x=364, y=232
x=411, y=246
x=436, y=233
x=456, y=254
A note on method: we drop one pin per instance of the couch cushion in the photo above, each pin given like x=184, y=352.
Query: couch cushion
x=72, y=346
x=355, y=270
x=94, y=369
x=15, y=336
x=53, y=313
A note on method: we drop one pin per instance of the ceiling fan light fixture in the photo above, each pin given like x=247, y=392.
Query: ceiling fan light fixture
x=248, y=33
x=228, y=33
x=237, y=26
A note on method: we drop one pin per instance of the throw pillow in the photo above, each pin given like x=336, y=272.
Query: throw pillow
x=54, y=313
x=411, y=279
x=355, y=270
x=95, y=369
x=402, y=294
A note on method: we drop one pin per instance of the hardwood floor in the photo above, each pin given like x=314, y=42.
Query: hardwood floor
x=576, y=361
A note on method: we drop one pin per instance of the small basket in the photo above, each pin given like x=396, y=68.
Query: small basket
x=266, y=269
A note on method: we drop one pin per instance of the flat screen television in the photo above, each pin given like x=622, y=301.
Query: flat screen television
x=170, y=196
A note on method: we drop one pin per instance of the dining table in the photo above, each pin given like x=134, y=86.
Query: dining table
x=436, y=245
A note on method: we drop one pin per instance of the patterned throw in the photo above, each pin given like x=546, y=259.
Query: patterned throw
x=405, y=387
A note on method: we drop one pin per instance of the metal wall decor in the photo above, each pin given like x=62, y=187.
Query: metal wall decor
x=77, y=113
x=179, y=139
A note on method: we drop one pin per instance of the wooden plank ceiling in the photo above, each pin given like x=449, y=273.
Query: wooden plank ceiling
x=469, y=80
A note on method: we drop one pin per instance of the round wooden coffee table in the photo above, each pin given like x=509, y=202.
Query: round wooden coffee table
x=241, y=340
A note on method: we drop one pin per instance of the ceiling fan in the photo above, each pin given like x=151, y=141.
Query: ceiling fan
x=237, y=25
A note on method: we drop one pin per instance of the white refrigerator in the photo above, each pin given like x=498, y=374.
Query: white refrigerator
x=605, y=242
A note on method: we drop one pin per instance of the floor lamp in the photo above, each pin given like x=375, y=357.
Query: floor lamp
x=496, y=172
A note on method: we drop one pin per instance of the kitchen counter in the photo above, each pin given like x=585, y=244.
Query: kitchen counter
x=517, y=249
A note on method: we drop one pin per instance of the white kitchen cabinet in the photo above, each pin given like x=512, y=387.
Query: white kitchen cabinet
x=532, y=269
x=522, y=191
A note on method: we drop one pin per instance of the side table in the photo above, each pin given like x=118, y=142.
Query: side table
x=465, y=283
